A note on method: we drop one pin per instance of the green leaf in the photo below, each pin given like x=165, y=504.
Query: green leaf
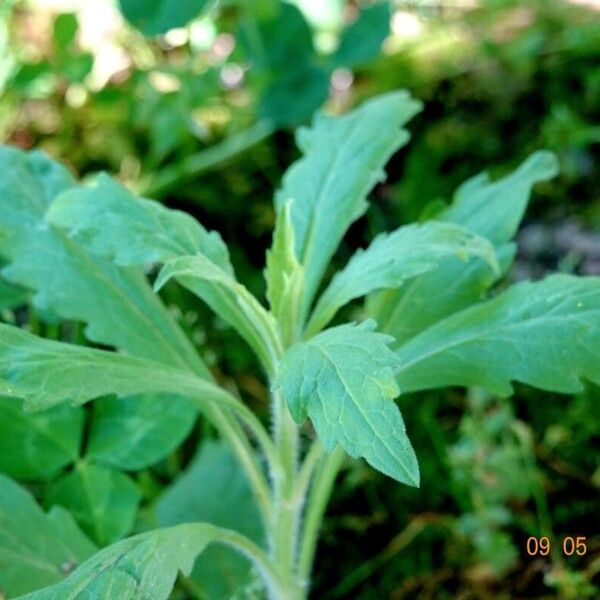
x=36, y=548
x=37, y=446
x=134, y=433
x=64, y=32
x=12, y=296
x=544, y=334
x=343, y=379
x=109, y=221
x=491, y=209
x=46, y=373
x=153, y=17
x=215, y=490
x=229, y=299
x=284, y=276
x=117, y=304
x=362, y=40
x=103, y=501
x=343, y=159
x=144, y=566
x=393, y=258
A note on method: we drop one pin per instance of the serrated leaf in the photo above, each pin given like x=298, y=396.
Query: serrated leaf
x=36, y=548
x=544, y=334
x=343, y=159
x=117, y=304
x=109, y=221
x=144, y=566
x=153, y=17
x=136, y=432
x=103, y=501
x=491, y=209
x=46, y=373
x=214, y=489
x=393, y=258
x=362, y=40
x=36, y=446
x=284, y=276
x=229, y=299
x=343, y=379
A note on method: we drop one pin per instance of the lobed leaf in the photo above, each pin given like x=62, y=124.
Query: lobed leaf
x=393, y=258
x=343, y=159
x=36, y=548
x=490, y=209
x=545, y=334
x=343, y=379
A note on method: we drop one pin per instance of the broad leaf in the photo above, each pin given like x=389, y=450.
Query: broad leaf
x=103, y=501
x=343, y=159
x=36, y=446
x=361, y=41
x=136, y=432
x=36, y=549
x=153, y=17
x=108, y=220
x=490, y=209
x=545, y=334
x=117, y=304
x=393, y=258
x=343, y=379
x=144, y=566
x=214, y=489
x=229, y=299
x=45, y=373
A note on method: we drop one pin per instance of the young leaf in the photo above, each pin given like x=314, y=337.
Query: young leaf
x=213, y=489
x=393, y=258
x=490, y=209
x=109, y=221
x=284, y=276
x=117, y=304
x=36, y=446
x=343, y=379
x=343, y=159
x=36, y=549
x=103, y=501
x=229, y=299
x=146, y=565
x=46, y=373
x=544, y=334
x=136, y=432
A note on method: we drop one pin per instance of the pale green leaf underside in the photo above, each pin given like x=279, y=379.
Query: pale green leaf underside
x=229, y=299
x=393, y=258
x=144, y=566
x=117, y=304
x=343, y=379
x=108, y=220
x=492, y=209
x=46, y=373
x=545, y=334
x=36, y=549
x=343, y=158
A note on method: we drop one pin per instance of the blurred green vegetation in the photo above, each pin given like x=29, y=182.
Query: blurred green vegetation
x=203, y=118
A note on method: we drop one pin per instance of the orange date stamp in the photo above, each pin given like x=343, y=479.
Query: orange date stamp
x=542, y=546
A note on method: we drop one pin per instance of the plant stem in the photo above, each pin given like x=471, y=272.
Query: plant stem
x=319, y=495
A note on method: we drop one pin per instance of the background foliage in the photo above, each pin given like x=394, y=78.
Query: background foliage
x=200, y=115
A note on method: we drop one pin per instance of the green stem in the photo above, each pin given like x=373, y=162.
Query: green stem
x=320, y=493
x=192, y=166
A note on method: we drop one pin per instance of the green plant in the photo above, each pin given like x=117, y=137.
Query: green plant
x=83, y=250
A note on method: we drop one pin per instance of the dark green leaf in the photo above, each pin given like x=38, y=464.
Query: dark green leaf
x=153, y=17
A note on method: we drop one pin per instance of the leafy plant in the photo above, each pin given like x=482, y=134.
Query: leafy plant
x=84, y=251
